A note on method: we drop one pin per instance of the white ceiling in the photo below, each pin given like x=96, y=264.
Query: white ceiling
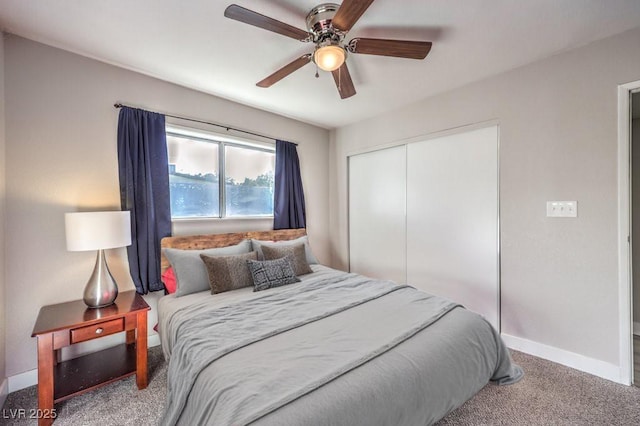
x=192, y=44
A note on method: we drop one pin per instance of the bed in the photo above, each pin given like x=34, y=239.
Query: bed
x=333, y=349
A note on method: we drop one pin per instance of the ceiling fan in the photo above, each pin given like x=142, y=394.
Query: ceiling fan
x=327, y=26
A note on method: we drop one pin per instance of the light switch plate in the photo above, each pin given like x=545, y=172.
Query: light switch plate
x=562, y=209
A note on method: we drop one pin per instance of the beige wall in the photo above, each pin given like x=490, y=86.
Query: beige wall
x=61, y=156
x=558, y=141
x=2, y=222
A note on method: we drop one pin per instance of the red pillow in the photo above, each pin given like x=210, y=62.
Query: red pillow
x=169, y=280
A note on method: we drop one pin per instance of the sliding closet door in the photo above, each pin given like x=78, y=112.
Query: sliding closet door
x=452, y=219
x=377, y=233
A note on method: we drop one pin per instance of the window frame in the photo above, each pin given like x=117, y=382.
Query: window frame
x=222, y=141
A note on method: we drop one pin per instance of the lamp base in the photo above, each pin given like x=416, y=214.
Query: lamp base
x=101, y=289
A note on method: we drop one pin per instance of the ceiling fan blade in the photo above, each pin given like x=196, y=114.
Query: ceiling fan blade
x=349, y=12
x=398, y=48
x=285, y=71
x=343, y=82
x=250, y=17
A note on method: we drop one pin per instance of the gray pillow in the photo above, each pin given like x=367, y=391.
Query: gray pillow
x=228, y=272
x=271, y=273
x=296, y=252
x=191, y=274
x=311, y=259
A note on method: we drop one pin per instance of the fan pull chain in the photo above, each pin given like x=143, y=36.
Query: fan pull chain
x=317, y=75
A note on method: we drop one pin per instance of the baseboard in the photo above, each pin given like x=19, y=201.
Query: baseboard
x=4, y=391
x=593, y=366
x=23, y=380
x=30, y=378
x=153, y=340
x=636, y=328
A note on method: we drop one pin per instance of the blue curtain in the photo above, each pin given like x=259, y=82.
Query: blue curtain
x=288, y=201
x=144, y=191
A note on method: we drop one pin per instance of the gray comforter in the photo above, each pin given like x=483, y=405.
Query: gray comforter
x=335, y=349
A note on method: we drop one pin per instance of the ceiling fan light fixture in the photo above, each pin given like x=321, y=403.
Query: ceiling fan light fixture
x=327, y=26
x=329, y=58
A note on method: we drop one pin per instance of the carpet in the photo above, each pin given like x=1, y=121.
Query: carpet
x=549, y=394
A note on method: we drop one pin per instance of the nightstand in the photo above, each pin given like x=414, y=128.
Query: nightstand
x=68, y=323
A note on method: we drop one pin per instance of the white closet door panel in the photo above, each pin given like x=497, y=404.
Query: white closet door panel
x=452, y=219
x=377, y=202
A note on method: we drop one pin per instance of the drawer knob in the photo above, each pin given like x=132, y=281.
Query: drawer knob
x=99, y=330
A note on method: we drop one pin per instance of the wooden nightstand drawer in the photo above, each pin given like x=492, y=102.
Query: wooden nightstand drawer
x=83, y=334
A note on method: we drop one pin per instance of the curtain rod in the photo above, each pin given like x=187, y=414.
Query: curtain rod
x=119, y=105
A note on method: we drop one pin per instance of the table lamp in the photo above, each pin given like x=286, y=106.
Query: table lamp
x=98, y=231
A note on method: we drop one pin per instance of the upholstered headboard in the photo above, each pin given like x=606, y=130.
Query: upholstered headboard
x=199, y=242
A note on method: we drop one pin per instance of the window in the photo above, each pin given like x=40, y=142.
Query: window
x=213, y=176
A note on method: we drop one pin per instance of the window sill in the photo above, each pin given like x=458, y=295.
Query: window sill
x=222, y=219
x=216, y=225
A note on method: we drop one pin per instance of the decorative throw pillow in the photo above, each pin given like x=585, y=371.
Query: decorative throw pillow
x=191, y=274
x=271, y=273
x=295, y=252
x=228, y=272
x=169, y=280
x=258, y=244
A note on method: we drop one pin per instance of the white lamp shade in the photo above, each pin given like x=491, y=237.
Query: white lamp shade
x=97, y=230
x=329, y=58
